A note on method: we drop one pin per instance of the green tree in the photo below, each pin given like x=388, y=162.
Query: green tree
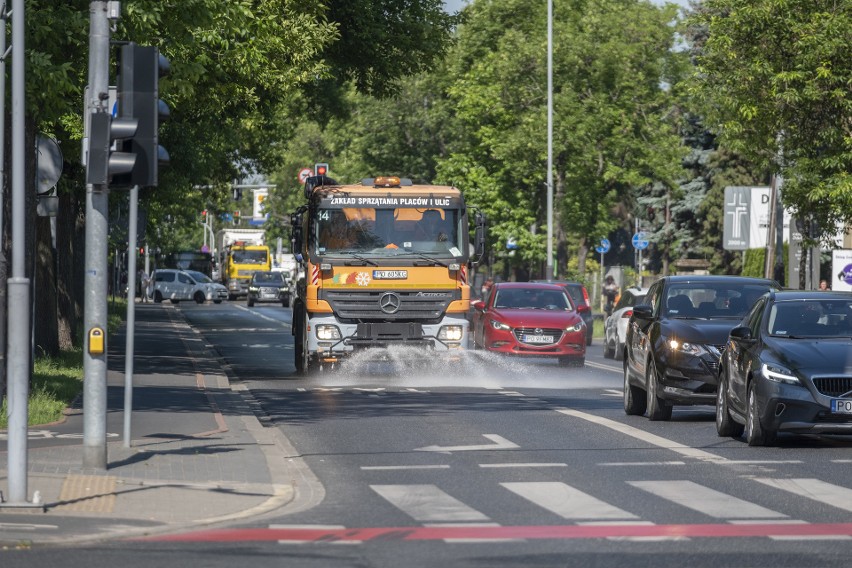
x=611, y=133
x=773, y=77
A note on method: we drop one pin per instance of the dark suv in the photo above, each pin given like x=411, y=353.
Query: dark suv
x=580, y=297
x=675, y=338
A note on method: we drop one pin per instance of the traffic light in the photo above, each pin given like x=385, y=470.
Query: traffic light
x=204, y=217
x=138, y=98
x=236, y=217
x=104, y=163
x=321, y=169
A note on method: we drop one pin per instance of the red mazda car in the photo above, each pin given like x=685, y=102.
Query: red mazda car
x=530, y=319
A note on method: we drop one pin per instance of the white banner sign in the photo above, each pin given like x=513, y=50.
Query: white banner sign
x=841, y=270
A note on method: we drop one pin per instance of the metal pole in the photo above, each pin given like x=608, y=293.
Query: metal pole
x=131, y=312
x=3, y=268
x=97, y=214
x=18, y=371
x=769, y=261
x=549, y=269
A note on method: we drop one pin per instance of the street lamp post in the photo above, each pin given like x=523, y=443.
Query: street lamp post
x=549, y=270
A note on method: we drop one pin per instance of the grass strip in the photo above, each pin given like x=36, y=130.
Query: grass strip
x=56, y=381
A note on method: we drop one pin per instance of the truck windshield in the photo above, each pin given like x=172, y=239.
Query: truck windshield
x=388, y=232
x=248, y=256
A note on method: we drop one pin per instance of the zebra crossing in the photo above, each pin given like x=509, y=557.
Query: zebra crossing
x=431, y=506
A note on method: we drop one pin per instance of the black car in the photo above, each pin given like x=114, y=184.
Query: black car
x=268, y=287
x=788, y=368
x=675, y=338
x=580, y=296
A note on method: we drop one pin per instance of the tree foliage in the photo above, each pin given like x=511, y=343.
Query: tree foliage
x=774, y=78
x=611, y=132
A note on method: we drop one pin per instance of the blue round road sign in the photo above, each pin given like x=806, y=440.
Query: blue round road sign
x=640, y=241
x=603, y=248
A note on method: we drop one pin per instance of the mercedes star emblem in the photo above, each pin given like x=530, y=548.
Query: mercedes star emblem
x=389, y=303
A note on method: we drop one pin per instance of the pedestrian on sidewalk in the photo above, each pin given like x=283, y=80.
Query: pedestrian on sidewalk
x=144, y=283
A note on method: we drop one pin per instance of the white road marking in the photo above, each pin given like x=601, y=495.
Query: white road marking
x=633, y=464
x=511, y=393
x=705, y=500
x=313, y=527
x=499, y=465
x=472, y=540
x=566, y=501
x=604, y=367
x=652, y=439
x=26, y=527
x=830, y=494
x=613, y=393
x=427, y=503
x=793, y=537
x=633, y=538
x=761, y=462
x=401, y=467
x=267, y=318
x=500, y=443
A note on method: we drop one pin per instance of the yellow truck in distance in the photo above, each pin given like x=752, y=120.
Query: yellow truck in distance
x=241, y=261
x=385, y=263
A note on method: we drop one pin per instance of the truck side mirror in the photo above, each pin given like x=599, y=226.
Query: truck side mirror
x=479, y=236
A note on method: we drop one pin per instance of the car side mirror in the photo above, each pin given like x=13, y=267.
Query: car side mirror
x=479, y=305
x=583, y=308
x=644, y=312
x=743, y=333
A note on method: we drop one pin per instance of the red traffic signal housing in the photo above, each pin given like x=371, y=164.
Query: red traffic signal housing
x=321, y=170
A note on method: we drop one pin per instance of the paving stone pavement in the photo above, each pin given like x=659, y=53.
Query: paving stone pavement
x=198, y=455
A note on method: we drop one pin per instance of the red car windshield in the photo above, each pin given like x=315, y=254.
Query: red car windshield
x=525, y=298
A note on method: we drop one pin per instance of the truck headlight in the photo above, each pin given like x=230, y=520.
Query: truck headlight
x=327, y=332
x=450, y=333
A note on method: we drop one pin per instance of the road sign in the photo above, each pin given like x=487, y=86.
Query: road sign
x=640, y=241
x=604, y=247
x=304, y=174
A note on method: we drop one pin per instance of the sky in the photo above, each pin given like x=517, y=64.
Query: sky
x=456, y=5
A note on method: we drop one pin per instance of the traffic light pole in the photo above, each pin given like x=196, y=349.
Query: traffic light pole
x=97, y=215
x=18, y=363
x=131, y=312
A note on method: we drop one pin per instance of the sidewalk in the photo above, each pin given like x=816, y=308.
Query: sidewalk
x=198, y=456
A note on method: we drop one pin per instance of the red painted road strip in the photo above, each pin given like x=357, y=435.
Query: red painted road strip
x=519, y=532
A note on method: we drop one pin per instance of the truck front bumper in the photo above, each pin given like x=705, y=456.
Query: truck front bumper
x=331, y=340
